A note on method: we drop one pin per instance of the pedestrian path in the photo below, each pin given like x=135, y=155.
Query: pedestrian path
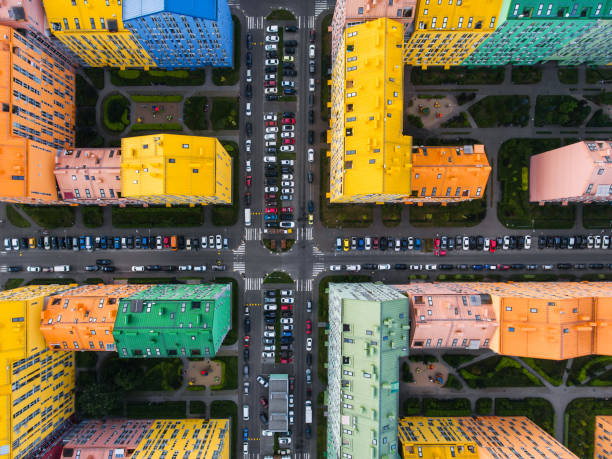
x=240, y=250
x=304, y=285
x=306, y=21
x=317, y=252
x=253, y=283
x=239, y=267
x=317, y=268
x=320, y=6
x=304, y=233
x=253, y=234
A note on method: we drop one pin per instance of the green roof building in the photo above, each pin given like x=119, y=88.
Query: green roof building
x=174, y=321
x=368, y=333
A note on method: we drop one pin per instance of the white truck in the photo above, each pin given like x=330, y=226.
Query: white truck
x=308, y=412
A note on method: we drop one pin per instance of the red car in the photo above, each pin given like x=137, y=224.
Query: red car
x=436, y=243
x=439, y=253
x=269, y=84
x=493, y=246
x=249, y=178
x=263, y=402
x=270, y=123
x=166, y=242
x=375, y=243
x=503, y=267
x=287, y=210
x=247, y=338
x=289, y=360
x=288, y=121
x=308, y=327
x=271, y=210
x=288, y=141
x=286, y=307
x=269, y=196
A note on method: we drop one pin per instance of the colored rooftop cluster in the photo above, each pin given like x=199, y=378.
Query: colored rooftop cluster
x=370, y=158
x=144, y=33
x=489, y=32
x=580, y=172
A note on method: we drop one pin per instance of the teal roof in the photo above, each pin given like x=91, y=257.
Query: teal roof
x=173, y=320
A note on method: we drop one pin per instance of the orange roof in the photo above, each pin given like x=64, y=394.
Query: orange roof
x=83, y=318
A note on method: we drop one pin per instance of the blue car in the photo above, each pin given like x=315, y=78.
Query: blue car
x=245, y=434
x=82, y=245
x=287, y=333
x=270, y=217
x=117, y=242
x=145, y=242
x=477, y=267
x=417, y=244
x=360, y=244
x=103, y=242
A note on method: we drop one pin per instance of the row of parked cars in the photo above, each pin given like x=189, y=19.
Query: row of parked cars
x=91, y=243
x=376, y=243
x=467, y=267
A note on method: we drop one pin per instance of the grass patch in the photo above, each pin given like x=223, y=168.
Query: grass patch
x=278, y=277
x=93, y=281
x=465, y=214
x=340, y=215
x=197, y=408
x=323, y=291
x=459, y=277
x=160, y=374
x=580, y=414
x=230, y=76
x=600, y=119
x=50, y=281
x=423, y=358
x=156, y=98
x=407, y=375
x=86, y=94
x=229, y=381
x=321, y=426
x=415, y=121
x=16, y=218
x=392, y=214
x=93, y=216
x=526, y=74
x=116, y=112
x=587, y=367
x=152, y=280
x=96, y=76
x=325, y=66
x=232, y=334
x=459, y=121
x=456, y=360
x=135, y=77
x=498, y=371
x=86, y=359
x=514, y=209
x=457, y=75
x=465, y=97
x=150, y=410
x=12, y=283
x=412, y=407
x=453, y=382
x=448, y=407
x=227, y=215
x=551, y=370
x=602, y=98
x=484, y=406
x=495, y=111
x=226, y=409
x=156, y=127
x=568, y=75
x=224, y=113
x=157, y=216
x=595, y=75
x=50, y=217
x=280, y=15
x=539, y=410
x=560, y=111
x=194, y=115
x=596, y=216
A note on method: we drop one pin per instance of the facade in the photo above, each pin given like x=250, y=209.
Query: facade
x=581, y=172
x=175, y=169
x=83, y=318
x=370, y=159
x=173, y=321
x=448, y=174
x=477, y=437
x=89, y=176
x=368, y=332
x=543, y=320
x=348, y=13
x=603, y=437
x=278, y=399
x=94, y=31
x=36, y=384
x=446, y=33
x=535, y=31
x=37, y=117
x=154, y=439
x=182, y=33
x=20, y=14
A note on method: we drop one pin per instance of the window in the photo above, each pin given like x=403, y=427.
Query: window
x=433, y=21
x=66, y=24
x=76, y=23
x=102, y=23
x=448, y=191
x=600, y=172
x=171, y=160
x=444, y=21
x=195, y=171
x=360, y=10
x=492, y=23
x=423, y=191
x=533, y=310
x=464, y=342
x=454, y=342
x=92, y=22
x=511, y=329
x=470, y=22
x=508, y=308
x=74, y=177
x=478, y=190
x=589, y=188
x=434, y=190
x=425, y=11
x=428, y=342
x=390, y=2
x=439, y=343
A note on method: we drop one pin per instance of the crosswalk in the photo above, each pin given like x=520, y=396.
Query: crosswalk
x=253, y=283
x=304, y=285
x=321, y=5
x=255, y=22
x=306, y=21
x=240, y=250
x=304, y=233
x=233, y=2
x=253, y=234
x=317, y=252
x=317, y=268
x=239, y=267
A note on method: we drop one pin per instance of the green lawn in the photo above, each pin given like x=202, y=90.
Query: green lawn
x=498, y=371
x=12, y=283
x=280, y=15
x=484, y=406
x=93, y=216
x=224, y=114
x=453, y=382
x=459, y=121
x=596, y=216
x=495, y=111
x=447, y=407
x=456, y=360
x=539, y=410
x=162, y=410
x=457, y=75
x=600, y=119
x=278, y=277
x=412, y=407
x=587, y=367
x=464, y=214
x=156, y=127
x=95, y=75
x=86, y=359
x=50, y=217
x=116, y=112
x=526, y=74
x=226, y=409
x=601, y=98
x=230, y=76
x=157, y=216
x=560, y=111
x=465, y=97
x=156, y=98
x=194, y=115
x=49, y=281
x=392, y=214
x=551, y=370
x=181, y=77
x=86, y=94
x=568, y=75
x=197, y=408
x=230, y=377
x=227, y=215
x=16, y=218
x=407, y=375
x=514, y=209
x=595, y=75
x=415, y=121
x=160, y=374
x=580, y=415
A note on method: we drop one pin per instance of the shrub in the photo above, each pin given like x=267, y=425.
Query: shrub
x=568, y=75
x=539, y=410
x=456, y=360
x=224, y=113
x=412, y=407
x=406, y=373
x=465, y=97
x=50, y=217
x=526, y=74
x=157, y=216
x=281, y=15
x=157, y=127
x=459, y=121
x=484, y=406
x=424, y=358
x=116, y=109
x=16, y=218
x=447, y=407
x=194, y=114
x=498, y=371
x=560, y=110
x=156, y=98
x=600, y=119
x=453, y=382
x=414, y=121
x=495, y=111
x=457, y=75
x=93, y=216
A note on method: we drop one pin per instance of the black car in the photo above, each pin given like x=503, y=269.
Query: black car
x=91, y=268
x=247, y=325
x=249, y=41
x=370, y=266
x=249, y=91
x=249, y=60
x=138, y=242
x=286, y=217
x=103, y=261
x=309, y=359
x=14, y=269
x=521, y=242
x=245, y=353
x=271, y=150
x=446, y=267
x=400, y=266
x=513, y=242
x=541, y=242
x=383, y=243
x=108, y=269
x=308, y=431
x=168, y=268
x=270, y=69
x=23, y=243
x=311, y=67
x=564, y=242
x=312, y=35
x=290, y=28
x=271, y=97
x=195, y=243
x=564, y=266
x=310, y=206
x=289, y=51
x=309, y=177
x=69, y=243
x=264, y=418
x=479, y=243
x=463, y=267
x=289, y=73
x=404, y=243
x=286, y=65
x=271, y=55
x=288, y=115
x=249, y=129
x=270, y=173
x=293, y=43
x=130, y=242
x=517, y=266
x=311, y=116
x=472, y=242
x=153, y=268
x=310, y=137
x=580, y=266
x=54, y=243
x=181, y=242
x=596, y=266
x=247, y=198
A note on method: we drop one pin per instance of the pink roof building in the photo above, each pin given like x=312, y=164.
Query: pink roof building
x=90, y=176
x=581, y=172
x=445, y=315
x=23, y=14
x=351, y=12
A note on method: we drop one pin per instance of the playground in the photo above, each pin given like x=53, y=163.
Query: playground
x=432, y=111
x=426, y=374
x=156, y=112
x=204, y=373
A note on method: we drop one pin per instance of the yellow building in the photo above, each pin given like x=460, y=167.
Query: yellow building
x=370, y=159
x=94, y=31
x=176, y=169
x=447, y=32
x=36, y=384
x=482, y=437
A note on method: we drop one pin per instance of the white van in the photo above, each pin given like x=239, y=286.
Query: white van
x=245, y=412
x=249, y=76
x=247, y=217
x=248, y=109
x=61, y=268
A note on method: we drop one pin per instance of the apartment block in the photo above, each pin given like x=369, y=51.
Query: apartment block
x=446, y=33
x=36, y=385
x=154, y=439
x=348, y=13
x=580, y=172
x=94, y=31
x=37, y=118
x=368, y=332
x=182, y=33
x=533, y=31
x=603, y=437
x=83, y=318
x=477, y=437
x=544, y=320
x=448, y=174
x=370, y=159
x=175, y=169
x=173, y=321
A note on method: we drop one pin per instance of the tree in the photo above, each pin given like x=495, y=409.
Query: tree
x=97, y=401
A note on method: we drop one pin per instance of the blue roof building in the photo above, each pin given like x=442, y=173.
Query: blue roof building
x=182, y=33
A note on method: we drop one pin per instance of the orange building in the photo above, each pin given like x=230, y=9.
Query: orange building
x=448, y=174
x=545, y=320
x=603, y=437
x=37, y=93
x=83, y=318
